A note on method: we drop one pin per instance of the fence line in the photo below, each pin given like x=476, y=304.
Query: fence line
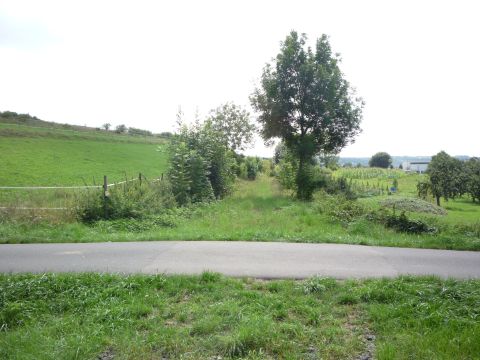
x=62, y=187
x=28, y=208
x=105, y=186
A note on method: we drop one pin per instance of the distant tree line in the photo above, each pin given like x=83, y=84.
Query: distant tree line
x=123, y=129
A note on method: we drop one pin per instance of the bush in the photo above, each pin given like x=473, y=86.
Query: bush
x=129, y=200
x=340, y=186
x=201, y=167
x=339, y=207
x=253, y=166
x=402, y=223
x=286, y=172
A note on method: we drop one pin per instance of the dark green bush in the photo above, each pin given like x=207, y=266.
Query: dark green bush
x=402, y=223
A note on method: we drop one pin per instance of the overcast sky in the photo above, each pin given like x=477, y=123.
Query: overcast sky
x=415, y=63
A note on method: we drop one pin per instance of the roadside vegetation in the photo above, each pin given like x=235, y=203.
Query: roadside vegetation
x=87, y=316
x=261, y=210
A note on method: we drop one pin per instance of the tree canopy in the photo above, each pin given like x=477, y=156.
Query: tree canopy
x=304, y=100
x=447, y=176
x=381, y=160
x=234, y=123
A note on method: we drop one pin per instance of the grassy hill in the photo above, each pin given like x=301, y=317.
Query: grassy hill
x=54, y=156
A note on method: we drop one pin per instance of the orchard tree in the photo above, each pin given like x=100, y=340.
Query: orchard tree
x=234, y=123
x=381, y=160
x=473, y=174
x=304, y=100
x=447, y=177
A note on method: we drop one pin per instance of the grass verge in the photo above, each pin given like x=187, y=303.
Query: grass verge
x=87, y=316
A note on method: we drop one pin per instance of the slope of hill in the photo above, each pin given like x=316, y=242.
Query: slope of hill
x=54, y=156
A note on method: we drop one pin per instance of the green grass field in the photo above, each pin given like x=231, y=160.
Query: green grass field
x=36, y=156
x=93, y=316
x=44, y=157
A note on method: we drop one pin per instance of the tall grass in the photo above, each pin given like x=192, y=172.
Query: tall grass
x=88, y=316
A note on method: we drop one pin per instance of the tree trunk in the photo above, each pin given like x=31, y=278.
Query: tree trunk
x=298, y=180
x=438, y=200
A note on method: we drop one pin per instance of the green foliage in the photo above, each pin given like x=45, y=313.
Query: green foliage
x=472, y=167
x=340, y=186
x=318, y=285
x=139, y=132
x=202, y=167
x=402, y=223
x=339, y=207
x=447, y=177
x=330, y=161
x=381, y=160
x=129, y=200
x=304, y=100
x=121, y=129
x=304, y=182
x=370, y=173
x=234, y=123
x=253, y=166
x=395, y=184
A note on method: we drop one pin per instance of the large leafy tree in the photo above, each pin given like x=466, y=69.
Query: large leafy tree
x=381, y=160
x=304, y=100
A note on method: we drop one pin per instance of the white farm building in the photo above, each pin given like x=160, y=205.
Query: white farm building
x=415, y=166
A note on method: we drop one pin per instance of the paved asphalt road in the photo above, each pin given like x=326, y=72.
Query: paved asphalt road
x=253, y=259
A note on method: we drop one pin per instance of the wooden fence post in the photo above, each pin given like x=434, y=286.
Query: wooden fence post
x=105, y=194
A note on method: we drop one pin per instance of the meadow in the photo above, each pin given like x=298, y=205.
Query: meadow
x=257, y=210
x=37, y=156
x=46, y=157
x=86, y=316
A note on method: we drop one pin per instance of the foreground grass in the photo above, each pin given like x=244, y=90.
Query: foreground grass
x=210, y=317
x=257, y=211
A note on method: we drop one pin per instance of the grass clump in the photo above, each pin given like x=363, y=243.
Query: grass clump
x=318, y=285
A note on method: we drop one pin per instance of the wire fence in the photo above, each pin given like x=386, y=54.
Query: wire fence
x=57, y=199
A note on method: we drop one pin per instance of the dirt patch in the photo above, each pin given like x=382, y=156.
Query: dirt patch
x=108, y=354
